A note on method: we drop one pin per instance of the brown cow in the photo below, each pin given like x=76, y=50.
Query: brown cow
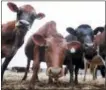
x=100, y=41
x=13, y=32
x=55, y=47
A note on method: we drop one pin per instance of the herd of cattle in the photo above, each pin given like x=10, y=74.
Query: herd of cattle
x=83, y=46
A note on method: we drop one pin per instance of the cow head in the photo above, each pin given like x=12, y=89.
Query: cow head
x=26, y=15
x=99, y=35
x=99, y=40
x=84, y=34
x=55, y=49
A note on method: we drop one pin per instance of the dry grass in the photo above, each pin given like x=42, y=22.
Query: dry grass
x=12, y=81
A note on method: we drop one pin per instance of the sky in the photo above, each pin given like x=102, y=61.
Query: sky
x=65, y=14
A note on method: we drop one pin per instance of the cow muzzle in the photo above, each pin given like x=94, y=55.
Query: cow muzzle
x=23, y=23
x=54, y=72
x=87, y=45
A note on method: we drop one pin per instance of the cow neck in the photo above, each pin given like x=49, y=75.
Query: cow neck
x=19, y=35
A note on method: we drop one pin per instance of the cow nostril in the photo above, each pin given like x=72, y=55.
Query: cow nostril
x=87, y=45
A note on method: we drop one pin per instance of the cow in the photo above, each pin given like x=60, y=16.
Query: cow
x=100, y=41
x=98, y=60
x=84, y=34
x=49, y=46
x=93, y=64
x=13, y=32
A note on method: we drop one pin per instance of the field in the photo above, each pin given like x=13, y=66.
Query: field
x=12, y=81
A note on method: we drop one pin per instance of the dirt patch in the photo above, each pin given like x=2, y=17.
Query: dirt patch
x=13, y=81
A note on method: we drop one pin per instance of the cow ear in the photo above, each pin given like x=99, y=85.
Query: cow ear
x=38, y=40
x=40, y=16
x=73, y=46
x=71, y=31
x=12, y=7
x=98, y=29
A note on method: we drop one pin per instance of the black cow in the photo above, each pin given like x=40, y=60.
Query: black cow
x=84, y=34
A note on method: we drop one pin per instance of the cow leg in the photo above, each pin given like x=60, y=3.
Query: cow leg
x=4, y=66
x=70, y=67
x=86, y=67
x=36, y=65
x=7, y=60
x=94, y=71
x=102, y=70
x=27, y=69
x=57, y=82
x=34, y=76
x=50, y=80
x=92, y=68
x=76, y=74
x=71, y=74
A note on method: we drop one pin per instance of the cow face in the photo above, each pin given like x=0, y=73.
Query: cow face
x=25, y=15
x=55, y=49
x=84, y=34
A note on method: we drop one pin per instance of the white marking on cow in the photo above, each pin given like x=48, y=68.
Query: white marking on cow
x=90, y=44
x=72, y=50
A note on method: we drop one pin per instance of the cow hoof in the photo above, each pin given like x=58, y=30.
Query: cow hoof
x=58, y=83
x=23, y=79
x=76, y=82
x=50, y=81
x=31, y=87
x=72, y=82
x=94, y=79
x=84, y=80
x=37, y=81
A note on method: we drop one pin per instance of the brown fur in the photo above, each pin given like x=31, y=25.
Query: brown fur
x=100, y=39
x=8, y=27
x=13, y=32
x=55, y=51
x=48, y=29
x=27, y=8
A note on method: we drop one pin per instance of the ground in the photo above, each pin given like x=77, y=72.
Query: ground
x=12, y=81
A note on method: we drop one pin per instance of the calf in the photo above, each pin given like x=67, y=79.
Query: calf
x=13, y=32
x=98, y=60
x=49, y=46
x=100, y=41
x=84, y=34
